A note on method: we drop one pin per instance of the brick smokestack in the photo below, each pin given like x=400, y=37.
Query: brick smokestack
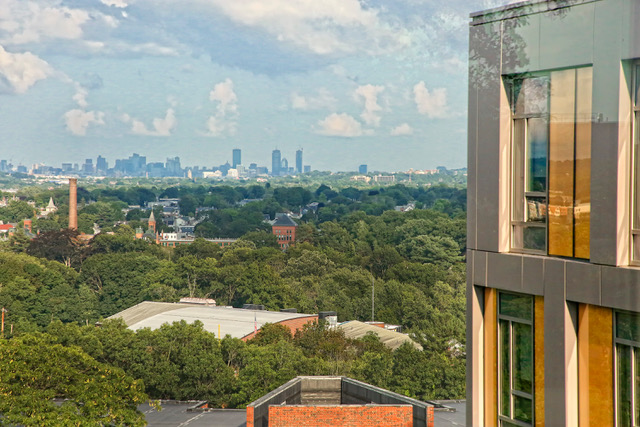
x=73, y=204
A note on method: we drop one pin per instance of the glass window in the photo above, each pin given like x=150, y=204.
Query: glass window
x=627, y=345
x=635, y=233
x=515, y=360
x=551, y=163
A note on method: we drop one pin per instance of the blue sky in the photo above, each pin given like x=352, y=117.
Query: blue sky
x=349, y=81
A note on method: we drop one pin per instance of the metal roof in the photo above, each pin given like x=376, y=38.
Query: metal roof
x=392, y=339
x=236, y=322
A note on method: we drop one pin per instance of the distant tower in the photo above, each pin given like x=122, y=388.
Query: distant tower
x=362, y=169
x=276, y=162
x=237, y=157
x=101, y=165
x=152, y=223
x=299, y=161
x=73, y=204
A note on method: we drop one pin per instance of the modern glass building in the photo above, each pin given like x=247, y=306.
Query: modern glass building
x=299, y=161
x=553, y=295
x=236, y=157
x=276, y=162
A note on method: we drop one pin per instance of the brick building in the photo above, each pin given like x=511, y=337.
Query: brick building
x=284, y=229
x=337, y=401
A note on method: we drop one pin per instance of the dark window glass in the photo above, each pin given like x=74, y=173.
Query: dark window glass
x=519, y=306
x=623, y=384
x=628, y=326
x=505, y=369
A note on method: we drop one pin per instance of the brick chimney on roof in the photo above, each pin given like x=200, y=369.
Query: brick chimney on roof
x=73, y=204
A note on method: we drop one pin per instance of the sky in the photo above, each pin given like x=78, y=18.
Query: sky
x=351, y=82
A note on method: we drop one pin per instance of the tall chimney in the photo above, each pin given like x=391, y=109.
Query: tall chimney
x=73, y=204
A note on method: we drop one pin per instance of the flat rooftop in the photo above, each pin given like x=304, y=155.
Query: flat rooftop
x=237, y=322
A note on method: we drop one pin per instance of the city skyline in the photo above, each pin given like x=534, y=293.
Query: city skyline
x=341, y=78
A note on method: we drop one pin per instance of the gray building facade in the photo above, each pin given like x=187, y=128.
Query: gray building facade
x=553, y=284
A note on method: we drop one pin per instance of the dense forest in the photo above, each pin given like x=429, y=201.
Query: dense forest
x=56, y=286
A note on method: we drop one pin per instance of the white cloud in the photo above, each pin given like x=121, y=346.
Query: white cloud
x=227, y=98
x=323, y=100
x=161, y=126
x=81, y=96
x=218, y=126
x=22, y=70
x=31, y=22
x=369, y=94
x=78, y=121
x=323, y=27
x=432, y=103
x=339, y=125
x=402, y=130
x=224, y=121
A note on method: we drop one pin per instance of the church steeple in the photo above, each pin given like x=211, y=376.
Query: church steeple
x=152, y=222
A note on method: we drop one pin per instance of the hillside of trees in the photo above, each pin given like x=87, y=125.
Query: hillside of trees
x=56, y=287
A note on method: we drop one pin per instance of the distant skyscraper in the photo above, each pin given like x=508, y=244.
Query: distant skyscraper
x=362, y=169
x=237, y=157
x=172, y=167
x=299, y=161
x=276, y=162
x=307, y=168
x=101, y=164
x=87, y=167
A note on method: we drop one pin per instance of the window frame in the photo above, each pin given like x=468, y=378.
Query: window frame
x=511, y=320
x=634, y=389
x=522, y=166
x=513, y=223
x=635, y=164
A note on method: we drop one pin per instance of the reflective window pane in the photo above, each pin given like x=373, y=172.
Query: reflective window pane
x=623, y=385
x=637, y=86
x=628, y=326
x=523, y=409
x=505, y=369
x=636, y=216
x=561, y=162
x=534, y=238
x=537, y=142
x=530, y=95
x=518, y=306
x=582, y=193
x=518, y=169
x=536, y=209
x=523, y=358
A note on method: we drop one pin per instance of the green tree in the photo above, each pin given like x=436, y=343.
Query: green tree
x=262, y=239
x=16, y=211
x=63, y=246
x=34, y=371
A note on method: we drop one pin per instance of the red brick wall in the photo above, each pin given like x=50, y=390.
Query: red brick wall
x=341, y=415
x=249, y=416
x=284, y=239
x=293, y=324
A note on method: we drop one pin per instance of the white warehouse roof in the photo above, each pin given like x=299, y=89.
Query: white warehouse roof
x=236, y=322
